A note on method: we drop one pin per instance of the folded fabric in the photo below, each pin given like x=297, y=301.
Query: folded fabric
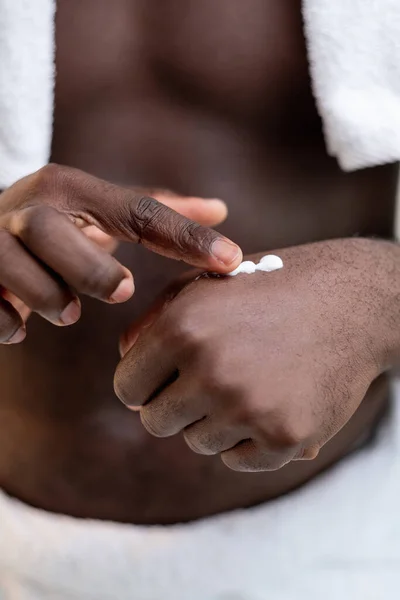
x=354, y=53
x=26, y=86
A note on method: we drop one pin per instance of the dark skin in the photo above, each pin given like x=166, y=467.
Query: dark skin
x=208, y=99
x=304, y=364
x=50, y=261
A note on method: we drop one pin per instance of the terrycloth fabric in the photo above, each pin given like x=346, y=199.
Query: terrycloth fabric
x=354, y=51
x=338, y=538
x=26, y=86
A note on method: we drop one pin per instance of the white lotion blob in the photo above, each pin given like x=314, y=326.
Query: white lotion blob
x=247, y=266
x=268, y=263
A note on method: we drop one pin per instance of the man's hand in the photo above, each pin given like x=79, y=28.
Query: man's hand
x=208, y=212
x=266, y=368
x=46, y=260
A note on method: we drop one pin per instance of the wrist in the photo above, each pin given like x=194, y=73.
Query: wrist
x=366, y=276
x=371, y=274
x=384, y=290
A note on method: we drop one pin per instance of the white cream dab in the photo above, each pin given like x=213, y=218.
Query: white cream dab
x=268, y=263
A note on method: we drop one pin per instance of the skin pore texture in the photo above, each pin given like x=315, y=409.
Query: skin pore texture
x=261, y=406
x=208, y=99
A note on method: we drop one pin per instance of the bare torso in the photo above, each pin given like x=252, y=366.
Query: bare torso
x=209, y=98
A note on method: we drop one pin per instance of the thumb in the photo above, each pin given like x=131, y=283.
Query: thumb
x=126, y=215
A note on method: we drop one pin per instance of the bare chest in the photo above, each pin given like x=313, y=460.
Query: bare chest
x=235, y=56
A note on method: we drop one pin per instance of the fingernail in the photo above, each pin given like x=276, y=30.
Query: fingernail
x=18, y=336
x=123, y=292
x=71, y=313
x=225, y=251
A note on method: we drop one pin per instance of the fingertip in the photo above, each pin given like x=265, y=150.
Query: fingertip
x=124, y=290
x=228, y=255
x=122, y=388
x=219, y=210
x=17, y=337
x=71, y=313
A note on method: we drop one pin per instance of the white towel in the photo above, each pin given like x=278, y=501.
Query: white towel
x=337, y=538
x=354, y=52
x=26, y=86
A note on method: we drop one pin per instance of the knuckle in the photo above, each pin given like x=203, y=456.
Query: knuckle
x=225, y=383
x=222, y=373
x=152, y=422
x=195, y=235
x=189, y=335
x=244, y=413
x=122, y=384
x=247, y=458
x=186, y=331
x=148, y=215
x=232, y=459
x=201, y=442
x=32, y=221
x=196, y=445
x=285, y=435
x=48, y=180
x=241, y=459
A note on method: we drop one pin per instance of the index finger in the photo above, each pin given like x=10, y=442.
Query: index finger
x=162, y=230
x=136, y=218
